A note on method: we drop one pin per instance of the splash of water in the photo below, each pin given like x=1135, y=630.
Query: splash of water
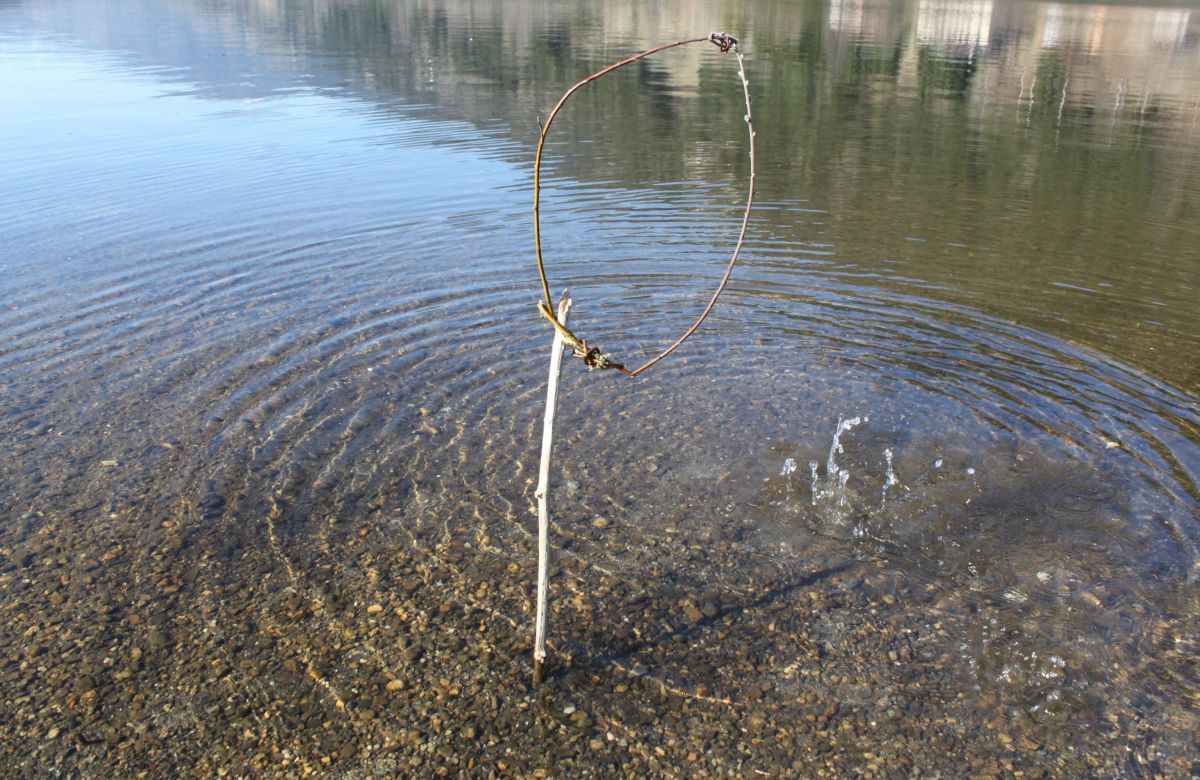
x=889, y=479
x=831, y=488
x=789, y=467
x=843, y=478
x=835, y=448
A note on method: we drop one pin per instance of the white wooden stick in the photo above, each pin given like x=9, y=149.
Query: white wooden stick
x=543, y=492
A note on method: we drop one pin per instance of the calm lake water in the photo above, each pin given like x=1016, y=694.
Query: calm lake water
x=270, y=359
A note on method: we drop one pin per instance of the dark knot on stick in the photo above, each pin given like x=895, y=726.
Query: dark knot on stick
x=723, y=41
x=592, y=357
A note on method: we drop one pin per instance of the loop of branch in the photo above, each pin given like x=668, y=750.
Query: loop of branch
x=592, y=356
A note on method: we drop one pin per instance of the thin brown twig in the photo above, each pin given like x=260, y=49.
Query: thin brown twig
x=592, y=356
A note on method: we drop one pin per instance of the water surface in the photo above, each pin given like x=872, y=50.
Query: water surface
x=271, y=375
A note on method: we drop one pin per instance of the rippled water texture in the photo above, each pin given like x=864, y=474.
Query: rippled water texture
x=922, y=496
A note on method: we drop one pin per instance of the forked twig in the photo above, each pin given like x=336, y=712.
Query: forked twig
x=592, y=356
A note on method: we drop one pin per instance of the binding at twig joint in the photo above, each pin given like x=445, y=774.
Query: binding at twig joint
x=724, y=41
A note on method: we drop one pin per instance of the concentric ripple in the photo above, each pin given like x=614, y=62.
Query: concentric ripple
x=261, y=374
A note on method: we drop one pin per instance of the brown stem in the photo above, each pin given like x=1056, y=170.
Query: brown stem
x=741, y=233
x=537, y=160
x=725, y=43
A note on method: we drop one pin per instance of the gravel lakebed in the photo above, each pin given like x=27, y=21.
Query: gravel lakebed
x=363, y=651
x=201, y=604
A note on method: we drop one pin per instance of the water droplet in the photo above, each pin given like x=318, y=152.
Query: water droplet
x=843, y=478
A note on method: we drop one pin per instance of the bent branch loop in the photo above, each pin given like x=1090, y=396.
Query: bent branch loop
x=592, y=356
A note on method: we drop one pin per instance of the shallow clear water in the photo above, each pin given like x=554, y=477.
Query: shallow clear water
x=267, y=327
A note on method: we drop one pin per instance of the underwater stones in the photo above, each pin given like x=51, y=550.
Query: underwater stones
x=690, y=612
x=652, y=659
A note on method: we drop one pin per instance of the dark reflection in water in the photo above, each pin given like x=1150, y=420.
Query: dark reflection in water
x=923, y=494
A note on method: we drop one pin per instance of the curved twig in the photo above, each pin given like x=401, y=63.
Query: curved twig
x=592, y=356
